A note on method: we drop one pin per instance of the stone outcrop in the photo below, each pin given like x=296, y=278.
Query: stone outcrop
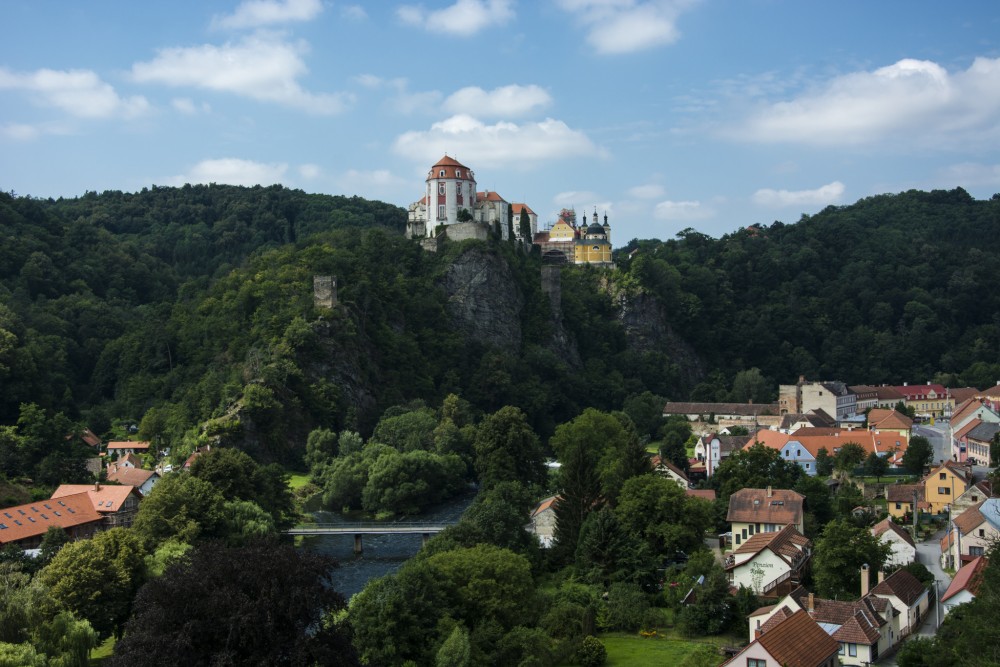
x=484, y=301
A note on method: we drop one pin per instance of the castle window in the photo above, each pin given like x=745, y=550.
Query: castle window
x=441, y=173
x=440, y=188
x=458, y=173
x=597, y=247
x=441, y=213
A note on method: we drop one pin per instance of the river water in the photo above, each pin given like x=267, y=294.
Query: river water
x=383, y=554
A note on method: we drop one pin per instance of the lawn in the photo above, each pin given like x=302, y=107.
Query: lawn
x=102, y=652
x=636, y=651
x=296, y=480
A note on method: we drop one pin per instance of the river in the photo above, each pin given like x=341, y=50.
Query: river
x=383, y=554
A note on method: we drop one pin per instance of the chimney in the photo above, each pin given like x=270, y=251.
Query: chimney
x=881, y=576
x=812, y=603
x=864, y=580
x=769, y=492
x=97, y=486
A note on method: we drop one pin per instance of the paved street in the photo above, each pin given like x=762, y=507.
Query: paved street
x=938, y=437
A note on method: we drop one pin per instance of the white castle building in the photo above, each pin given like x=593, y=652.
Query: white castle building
x=450, y=198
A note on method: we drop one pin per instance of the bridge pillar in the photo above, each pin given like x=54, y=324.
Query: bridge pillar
x=423, y=539
x=357, y=544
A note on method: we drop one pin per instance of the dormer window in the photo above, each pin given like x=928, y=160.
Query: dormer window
x=458, y=173
x=441, y=173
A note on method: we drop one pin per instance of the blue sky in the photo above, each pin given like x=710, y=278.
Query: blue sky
x=667, y=114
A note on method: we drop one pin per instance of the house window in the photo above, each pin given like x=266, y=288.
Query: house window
x=944, y=491
x=899, y=506
x=751, y=529
x=756, y=662
x=744, y=533
x=976, y=551
x=942, y=475
x=807, y=466
x=737, y=538
x=840, y=650
x=852, y=650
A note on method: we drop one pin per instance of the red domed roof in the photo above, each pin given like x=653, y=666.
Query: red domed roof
x=452, y=168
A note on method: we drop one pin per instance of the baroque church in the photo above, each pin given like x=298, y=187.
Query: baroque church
x=453, y=206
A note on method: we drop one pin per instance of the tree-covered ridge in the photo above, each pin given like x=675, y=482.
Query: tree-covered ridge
x=892, y=288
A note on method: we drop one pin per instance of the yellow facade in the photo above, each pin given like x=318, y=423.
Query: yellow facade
x=593, y=251
x=942, y=487
x=562, y=231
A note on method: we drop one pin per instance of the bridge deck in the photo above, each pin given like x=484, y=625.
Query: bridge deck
x=367, y=529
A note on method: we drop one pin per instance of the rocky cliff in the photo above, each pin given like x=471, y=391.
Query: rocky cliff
x=484, y=301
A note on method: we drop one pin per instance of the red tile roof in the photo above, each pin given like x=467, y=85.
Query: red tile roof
x=128, y=444
x=130, y=476
x=705, y=494
x=799, y=642
x=882, y=418
x=33, y=519
x=105, y=498
x=968, y=578
x=903, y=585
x=788, y=543
x=780, y=506
x=519, y=207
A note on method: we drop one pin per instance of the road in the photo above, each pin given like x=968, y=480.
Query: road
x=937, y=435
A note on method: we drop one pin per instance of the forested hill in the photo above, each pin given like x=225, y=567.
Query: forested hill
x=190, y=310
x=893, y=288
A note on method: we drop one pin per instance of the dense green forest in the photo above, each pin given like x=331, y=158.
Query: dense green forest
x=189, y=312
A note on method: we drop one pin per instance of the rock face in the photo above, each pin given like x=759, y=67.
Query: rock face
x=647, y=330
x=484, y=301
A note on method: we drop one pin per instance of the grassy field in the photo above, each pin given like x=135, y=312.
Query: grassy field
x=296, y=480
x=635, y=651
x=102, y=652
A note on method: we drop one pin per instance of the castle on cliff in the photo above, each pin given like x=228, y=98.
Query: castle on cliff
x=452, y=206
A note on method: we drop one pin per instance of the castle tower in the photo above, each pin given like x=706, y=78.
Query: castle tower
x=451, y=187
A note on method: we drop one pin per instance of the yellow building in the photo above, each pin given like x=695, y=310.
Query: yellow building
x=594, y=244
x=944, y=484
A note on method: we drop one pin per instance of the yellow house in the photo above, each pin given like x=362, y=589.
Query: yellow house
x=899, y=499
x=594, y=244
x=946, y=483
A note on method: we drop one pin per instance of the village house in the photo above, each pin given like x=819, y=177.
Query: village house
x=802, y=447
x=120, y=448
x=770, y=564
x=906, y=594
x=25, y=525
x=865, y=397
x=117, y=504
x=832, y=397
x=904, y=550
x=976, y=493
x=543, y=521
x=946, y=483
x=928, y=400
x=863, y=628
x=977, y=442
x=142, y=480
x=965, y=586
x=888, y=397
x=665, y=468
x=889, y=421
x=991, y=396
x=972, y=416
x=748, y=415
x=900, y=499
x=753, y=511
x=793, y=641
x=712, y=449
x=972, y=533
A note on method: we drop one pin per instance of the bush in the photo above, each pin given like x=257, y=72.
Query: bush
x=591, y=652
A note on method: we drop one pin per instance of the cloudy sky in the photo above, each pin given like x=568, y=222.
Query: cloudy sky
x=667, y=114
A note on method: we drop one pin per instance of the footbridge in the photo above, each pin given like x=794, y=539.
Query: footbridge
x=359, y=530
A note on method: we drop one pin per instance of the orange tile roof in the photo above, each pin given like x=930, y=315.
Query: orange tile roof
x=881, y=418
x=33, y=519
x=489, y=195
x=782, y=506
x=770, y=439
x=518, y=207
x=447, y=161
x=972, y=423
x=970, y=519
x=799, y=642
x=128, y=444
x=788, y=543
x=705, y=494
x=130, y=476
x=903, y=493
x=548, y=503
x=108, y=498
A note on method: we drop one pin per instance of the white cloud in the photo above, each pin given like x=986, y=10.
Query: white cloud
x=187, y=106
x=821, y=196
x=505, y=144
x=682, y=210
x=573, y=197
x=261, y=67
x=20, y=131
x=625, y=26
x=233, y=171
x=310, y=172
x=464, y=18
x=917, y=101
x=649, y=191
x=404, y=101
x=257, y=13
x=78, y=92
x=354, y=12
x=970, y=174
x=503, y=102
